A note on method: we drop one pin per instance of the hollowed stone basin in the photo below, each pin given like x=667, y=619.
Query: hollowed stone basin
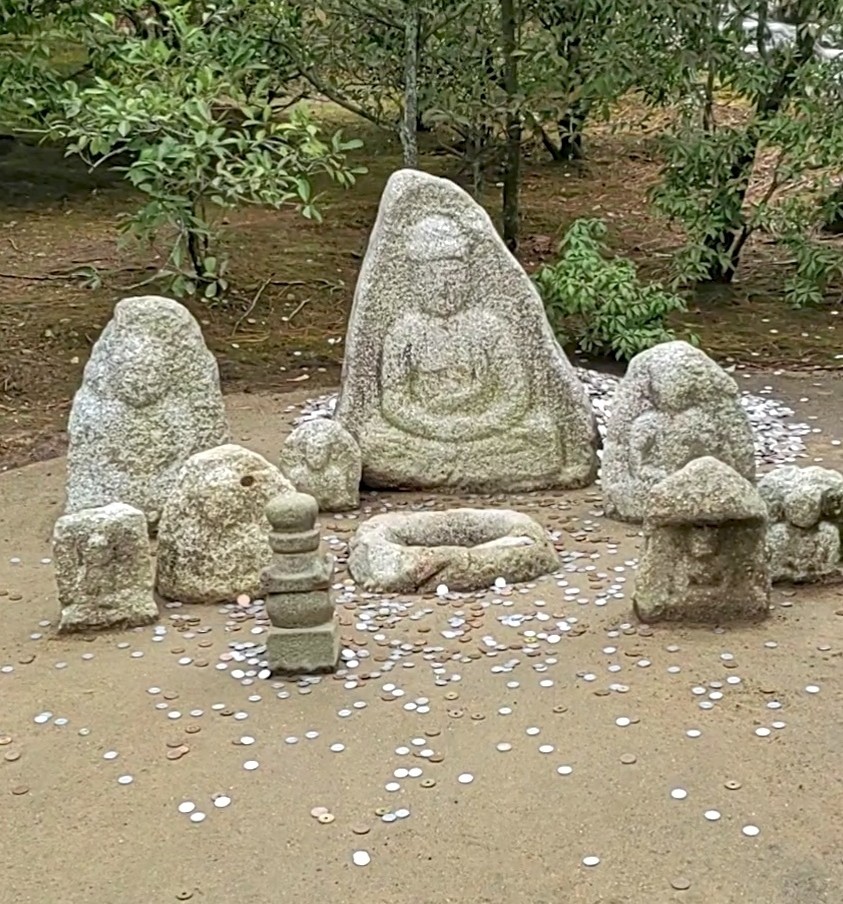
x=464, y=548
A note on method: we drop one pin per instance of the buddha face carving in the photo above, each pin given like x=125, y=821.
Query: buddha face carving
x=439, y=250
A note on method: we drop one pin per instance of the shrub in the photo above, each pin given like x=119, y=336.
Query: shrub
x=598, y=302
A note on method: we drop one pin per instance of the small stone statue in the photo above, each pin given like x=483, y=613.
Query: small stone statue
x=673, y=405
x=321, y=458
x=150, y=398
x=704, y=556
x=305, y=633
x=104, y=569
x=806, y=516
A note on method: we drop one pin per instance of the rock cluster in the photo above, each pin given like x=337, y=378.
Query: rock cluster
x=305, y=633
x=806, y=517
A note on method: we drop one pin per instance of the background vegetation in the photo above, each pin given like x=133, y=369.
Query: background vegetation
x=206, y=107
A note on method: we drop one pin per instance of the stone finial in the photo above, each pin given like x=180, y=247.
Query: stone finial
x=704, y=556
x=305, y=631
x=103, y=569
x=292, y=513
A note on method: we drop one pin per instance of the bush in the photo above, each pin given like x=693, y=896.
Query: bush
x=598, y=303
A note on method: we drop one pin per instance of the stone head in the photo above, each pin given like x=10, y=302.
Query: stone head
x=695, y=380
x=440, y=249
x=149, y=344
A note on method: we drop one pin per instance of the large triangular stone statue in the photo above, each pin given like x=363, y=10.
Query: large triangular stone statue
x=452, y=376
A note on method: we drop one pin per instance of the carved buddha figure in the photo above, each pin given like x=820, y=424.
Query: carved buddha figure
x=689, y=420
x=452, y=376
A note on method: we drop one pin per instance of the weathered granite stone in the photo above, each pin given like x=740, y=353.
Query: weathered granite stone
x=305, y=629
x=704, y=554
x=674, y=405
x=212, y=541
x=303, y=650
x=806, y=514
x=452, y=376
x=466, y=549
x=150, y=398
x=103, y=569
x=321, y=458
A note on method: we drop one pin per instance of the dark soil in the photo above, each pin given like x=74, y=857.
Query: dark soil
x=293, y=280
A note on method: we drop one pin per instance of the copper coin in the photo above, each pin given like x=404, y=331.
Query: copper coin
x=436, y=758
x=628, y=759
x=18, y=790
x=193, y=729
x=432, y=732
x=206, y=643
x=173, y=743
x=178, y=753
x=25, y=660
x=226, y=712
x=200, y=663
x=680, y=884
x=360, y=829
x=12, y=756
x=170, y=695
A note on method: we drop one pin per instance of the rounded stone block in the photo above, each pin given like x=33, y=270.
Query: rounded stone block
x=466, y=549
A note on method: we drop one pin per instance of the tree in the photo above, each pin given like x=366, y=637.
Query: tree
x=195, y=102
x=789, y=84
x=512, y=166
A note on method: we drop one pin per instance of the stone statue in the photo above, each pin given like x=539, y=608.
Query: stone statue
x=452, y=376
x=673, y=405
x=321, y=458
x=104, y=569
x=150, y=398
x=704, y=556
x=806, y=515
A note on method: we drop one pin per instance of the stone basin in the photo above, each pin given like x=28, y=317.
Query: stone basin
x=466, y=549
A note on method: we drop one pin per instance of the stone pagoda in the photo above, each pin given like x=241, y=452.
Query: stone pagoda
x=304, y=637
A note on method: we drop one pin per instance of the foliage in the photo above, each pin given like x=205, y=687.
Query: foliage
x=191, y=101
x=727, y=176
x=598, y=302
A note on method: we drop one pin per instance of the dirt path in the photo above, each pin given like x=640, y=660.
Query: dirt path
x=520, y=830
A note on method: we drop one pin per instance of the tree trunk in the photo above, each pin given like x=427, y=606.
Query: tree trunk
x=409, y=122
x=512, y=158
x=729, y=243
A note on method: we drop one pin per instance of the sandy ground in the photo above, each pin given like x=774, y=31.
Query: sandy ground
x=520, y=830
